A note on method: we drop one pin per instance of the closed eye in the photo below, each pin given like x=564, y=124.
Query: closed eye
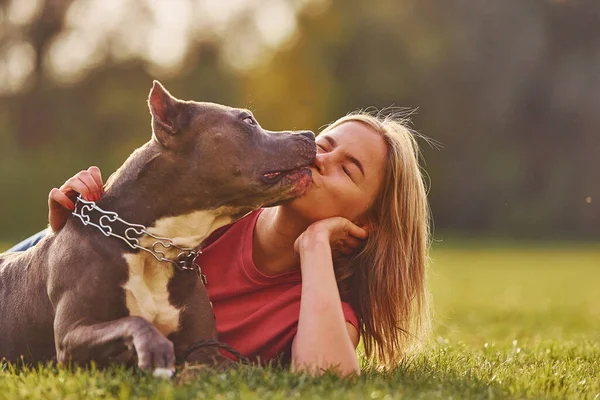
x=346, y=171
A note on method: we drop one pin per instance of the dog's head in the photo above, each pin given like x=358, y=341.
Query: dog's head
x=240, y=163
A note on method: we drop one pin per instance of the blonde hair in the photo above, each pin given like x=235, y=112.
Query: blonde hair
x=386, y=281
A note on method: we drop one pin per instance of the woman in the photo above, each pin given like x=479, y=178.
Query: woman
x=304, y=280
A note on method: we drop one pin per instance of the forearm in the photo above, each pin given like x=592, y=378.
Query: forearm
x=322, y=340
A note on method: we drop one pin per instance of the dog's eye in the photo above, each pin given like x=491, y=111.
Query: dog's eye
x=250, y=120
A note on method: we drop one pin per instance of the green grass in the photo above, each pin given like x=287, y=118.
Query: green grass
x=511, y=322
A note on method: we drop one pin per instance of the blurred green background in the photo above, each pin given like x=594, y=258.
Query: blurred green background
x=511, y=90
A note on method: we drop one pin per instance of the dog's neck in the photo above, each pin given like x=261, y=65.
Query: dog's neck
x=139, y=191
x=189, y=230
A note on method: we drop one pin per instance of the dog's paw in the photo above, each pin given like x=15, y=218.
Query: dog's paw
x=163, y=373
x=155, y=352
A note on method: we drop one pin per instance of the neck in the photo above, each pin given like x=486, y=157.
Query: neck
x=276, y=231
x=130, y=188
x=189, y=230
x=141, y=193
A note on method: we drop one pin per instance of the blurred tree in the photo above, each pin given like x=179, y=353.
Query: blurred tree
x=36, y=34
x=510, y=88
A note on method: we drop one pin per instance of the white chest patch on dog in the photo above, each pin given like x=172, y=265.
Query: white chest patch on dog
x=146, y=290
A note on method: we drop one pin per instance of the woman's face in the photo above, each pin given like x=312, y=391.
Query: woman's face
x=347, y=174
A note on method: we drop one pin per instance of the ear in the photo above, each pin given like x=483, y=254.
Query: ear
x=165, y=110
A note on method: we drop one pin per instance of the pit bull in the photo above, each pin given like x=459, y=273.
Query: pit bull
x=120, y=277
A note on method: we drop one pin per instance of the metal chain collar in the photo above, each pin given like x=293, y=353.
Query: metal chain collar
x=185, y=258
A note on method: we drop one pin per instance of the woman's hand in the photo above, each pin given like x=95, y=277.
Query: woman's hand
x=342, y=235
x=88, y=183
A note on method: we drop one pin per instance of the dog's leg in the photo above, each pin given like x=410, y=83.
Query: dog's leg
x=209, y=356
x=197, y=322
x=83, y=341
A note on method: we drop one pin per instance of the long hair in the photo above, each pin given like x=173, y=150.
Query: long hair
x=386, y=281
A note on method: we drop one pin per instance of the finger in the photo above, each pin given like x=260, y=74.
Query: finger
x=367, y=227
x=97, y=175
x=76, y=185
x=341, y=245
x=356, y=231
x=89, y=181
x=58, y=207
x=345, y=250
x=352, y=242
x=56, y=197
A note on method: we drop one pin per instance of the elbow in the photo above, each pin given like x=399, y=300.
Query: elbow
x=349, y=370
x=316, y=366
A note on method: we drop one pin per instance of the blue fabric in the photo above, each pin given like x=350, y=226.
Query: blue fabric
x=29, y=242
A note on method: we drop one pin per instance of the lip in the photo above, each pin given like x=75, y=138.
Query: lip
x=300, y=179
x=273, y=177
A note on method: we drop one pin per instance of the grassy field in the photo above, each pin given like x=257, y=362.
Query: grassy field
x=511, y=322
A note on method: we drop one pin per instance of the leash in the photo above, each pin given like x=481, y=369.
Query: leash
x=109, y=222
x=215, y=343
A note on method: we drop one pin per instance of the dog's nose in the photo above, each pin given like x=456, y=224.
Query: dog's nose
x=308, y=134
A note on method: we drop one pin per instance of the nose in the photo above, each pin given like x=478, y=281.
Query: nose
x=325, y=161
x=320, y=162
x=308, y=134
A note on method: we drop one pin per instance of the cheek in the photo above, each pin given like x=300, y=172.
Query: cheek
x=340, y=199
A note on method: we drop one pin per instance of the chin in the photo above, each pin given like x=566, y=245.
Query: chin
x=305, y=206
x=302, y=201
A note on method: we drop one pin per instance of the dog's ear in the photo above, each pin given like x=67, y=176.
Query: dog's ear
x=166, y=111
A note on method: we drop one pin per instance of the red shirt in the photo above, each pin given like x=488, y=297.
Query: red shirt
x=256, y=314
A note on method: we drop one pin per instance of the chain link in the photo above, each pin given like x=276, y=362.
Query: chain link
x=185, y=258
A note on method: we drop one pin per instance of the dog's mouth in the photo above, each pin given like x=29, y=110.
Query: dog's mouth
x=295, y=183
x=273, y=177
